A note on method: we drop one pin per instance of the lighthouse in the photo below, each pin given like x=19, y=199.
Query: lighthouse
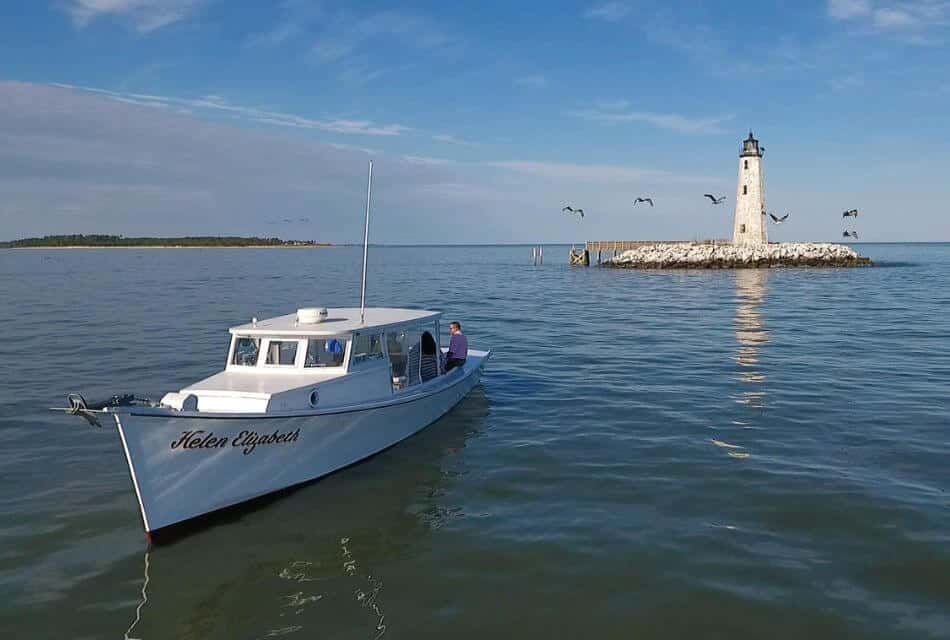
x=750, y=227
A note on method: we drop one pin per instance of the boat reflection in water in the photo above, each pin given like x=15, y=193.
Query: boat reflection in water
x=751, y=335
x=316, y=560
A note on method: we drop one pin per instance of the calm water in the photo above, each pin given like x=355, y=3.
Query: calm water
x=651, y=454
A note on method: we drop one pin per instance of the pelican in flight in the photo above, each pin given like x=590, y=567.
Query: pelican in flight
x=776, y=219
x=579, y=212
x=714, y=199
x=850, y=234
x=850, y=213
x=638, y=200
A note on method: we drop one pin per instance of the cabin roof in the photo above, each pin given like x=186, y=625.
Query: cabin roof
x=339, y=321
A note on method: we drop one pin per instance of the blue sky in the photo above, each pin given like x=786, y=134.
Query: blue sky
x=216, y=116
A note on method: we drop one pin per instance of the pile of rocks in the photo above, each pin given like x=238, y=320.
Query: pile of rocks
x=689, y=255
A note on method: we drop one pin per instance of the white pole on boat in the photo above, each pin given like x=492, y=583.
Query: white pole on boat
x=369, y=191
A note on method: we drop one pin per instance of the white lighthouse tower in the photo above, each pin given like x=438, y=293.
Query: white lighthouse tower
x=750, y=224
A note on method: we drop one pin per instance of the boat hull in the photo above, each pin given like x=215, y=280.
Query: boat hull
x=185, y=466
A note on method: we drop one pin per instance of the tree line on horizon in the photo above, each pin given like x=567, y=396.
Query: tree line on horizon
x=105, y=240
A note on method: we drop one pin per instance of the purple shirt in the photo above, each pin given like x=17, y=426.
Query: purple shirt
x=458, y=346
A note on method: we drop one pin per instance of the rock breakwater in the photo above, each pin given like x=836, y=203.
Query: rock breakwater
x=690, y=255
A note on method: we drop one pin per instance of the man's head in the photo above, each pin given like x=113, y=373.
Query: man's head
x=455, y=327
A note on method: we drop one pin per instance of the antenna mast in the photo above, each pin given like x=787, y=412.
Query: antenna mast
x=369, y=191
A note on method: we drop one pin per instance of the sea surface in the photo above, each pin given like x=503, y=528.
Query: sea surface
x=703, y=454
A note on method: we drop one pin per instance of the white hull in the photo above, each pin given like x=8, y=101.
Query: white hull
x=184, y=466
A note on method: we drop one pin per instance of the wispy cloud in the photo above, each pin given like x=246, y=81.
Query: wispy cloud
x=671, y=121
x=921, y=22
x=591, y=173
x=296, y=18
x=345, y=36
x=144, y=15
x=534, y=81
x=610, y=11
x=845, y=9
x=217, y=104
x=450, y=139
x=848, y=82
x=427, y=160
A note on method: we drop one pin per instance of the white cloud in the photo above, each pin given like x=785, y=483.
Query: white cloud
x=922, y=22
x=844, y=9
x=894, y=19
x=610, y=11
x=534, y=81
x=671, y=121
x=144, y=15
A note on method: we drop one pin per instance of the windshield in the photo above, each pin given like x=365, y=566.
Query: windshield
x=245, y=351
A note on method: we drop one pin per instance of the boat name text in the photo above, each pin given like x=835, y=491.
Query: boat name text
x=201, y=439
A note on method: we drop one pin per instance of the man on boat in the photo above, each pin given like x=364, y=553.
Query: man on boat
x=458, y=347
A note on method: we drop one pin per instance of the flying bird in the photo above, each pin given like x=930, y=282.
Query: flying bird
x=776, y=219
x=580, y=212
x=714, y=199
x=850, y=234
x=850, y=213
x=650, y=200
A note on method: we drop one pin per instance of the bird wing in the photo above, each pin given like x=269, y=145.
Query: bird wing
x=567, y=209
x=711, y=197
x=650, y=200
x=784, y=217
x=772, y=215
x=580, y=211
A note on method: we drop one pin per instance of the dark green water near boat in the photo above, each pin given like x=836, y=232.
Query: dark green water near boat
x=710, y=454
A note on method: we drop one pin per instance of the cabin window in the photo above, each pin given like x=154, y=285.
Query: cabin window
x=745, y=189
x=397, y=354
x=245, y=351
x=745, y=164
x=325, y=352
x=405, y=357
x=282, y=352
x=366, y=347
x=429, y=368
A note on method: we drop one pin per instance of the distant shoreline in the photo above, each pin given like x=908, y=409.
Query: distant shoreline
x=113, y=241
x=176, y=246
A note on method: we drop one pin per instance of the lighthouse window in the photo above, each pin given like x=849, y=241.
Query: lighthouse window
x=745, y=189
x=746, y=163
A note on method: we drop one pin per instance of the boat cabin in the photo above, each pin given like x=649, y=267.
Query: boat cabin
x=320, y=358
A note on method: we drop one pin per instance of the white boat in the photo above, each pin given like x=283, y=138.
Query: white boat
x=302, y=395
